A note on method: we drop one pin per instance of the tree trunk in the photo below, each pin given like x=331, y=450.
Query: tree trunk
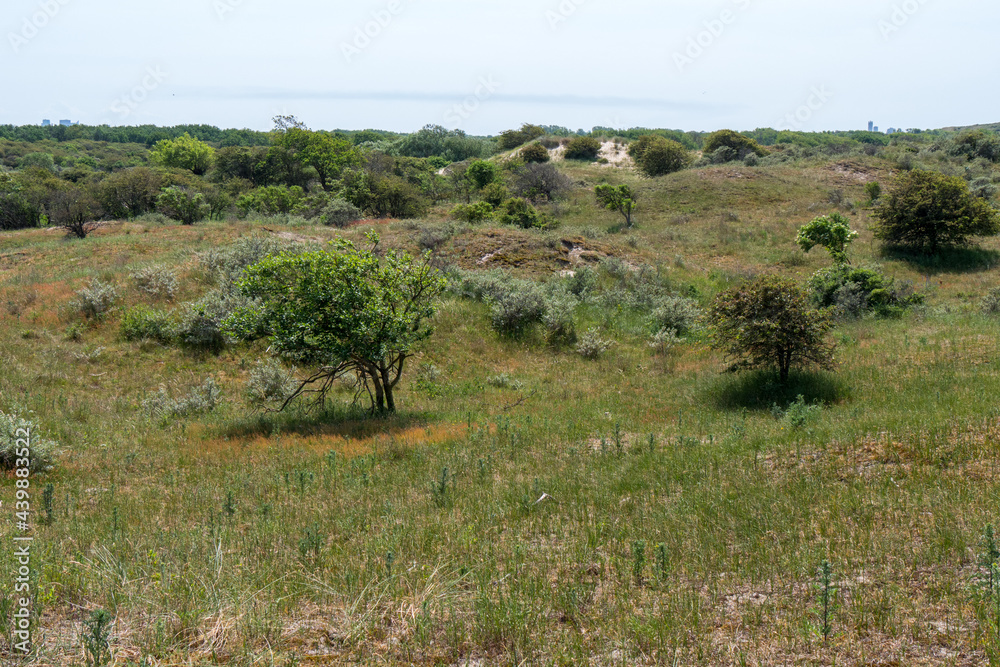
x=389, y=385
x=379, y=393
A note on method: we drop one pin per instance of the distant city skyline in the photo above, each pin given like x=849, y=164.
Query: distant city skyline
x=488, y=66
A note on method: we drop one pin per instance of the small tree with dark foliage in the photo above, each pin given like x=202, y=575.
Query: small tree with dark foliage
x=927, y=211
x=620, y=199
x=767, y=322
x=72, y=208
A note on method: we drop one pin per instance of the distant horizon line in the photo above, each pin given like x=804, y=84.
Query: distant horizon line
x=551, y=125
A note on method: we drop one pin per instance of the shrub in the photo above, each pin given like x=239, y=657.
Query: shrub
x=664, y=341
x=270, y=200
x=39, y=160
x=157, y=281
x=874, y=191
x=495, y=194
x=519, y=212
x=990, y=305
x=227, y=264
x=853, y=292
x=799, y=413
x=182, y=204
x=540, y=181
x=927, y=211
x=200, y=325
x=655, y=155
x=560, y=327
x=516, y=308
x=582, y=282
x=504, y=381
x=340, y=213
x=270, y=384
x=591, y=345
x=983, y=187
x=482, y=173
x=751, y=160
x=477, y=212
x=95, y=299
x=978, y=144
x=740, y=144
x=12, y=435
x=582, y=148
x=204, y=398
x=510, y=139
x=534, y=153
x=676, y=314
x=145, y=323
x=722, y=155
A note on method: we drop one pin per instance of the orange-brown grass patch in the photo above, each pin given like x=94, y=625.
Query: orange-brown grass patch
x=348, y=439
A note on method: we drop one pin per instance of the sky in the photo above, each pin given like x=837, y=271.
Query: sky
x=484, y=66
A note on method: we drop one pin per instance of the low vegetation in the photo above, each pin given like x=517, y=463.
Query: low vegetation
x=436, y=399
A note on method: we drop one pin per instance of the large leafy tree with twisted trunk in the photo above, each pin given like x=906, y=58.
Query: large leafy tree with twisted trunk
x=927, y=211
x=343, y=311
x=767, y=322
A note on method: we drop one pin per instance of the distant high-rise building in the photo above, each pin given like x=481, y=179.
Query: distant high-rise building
x=65, y=122
x=875, y=129
x=871, y=124
x=46, y=122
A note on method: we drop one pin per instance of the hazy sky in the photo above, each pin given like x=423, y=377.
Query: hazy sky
x=488, y=65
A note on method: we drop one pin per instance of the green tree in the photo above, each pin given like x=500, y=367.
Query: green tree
x=183, y=204
x=767, y=323
x=18, y=209
x=656, y=156
x=483, y=172
x=329, y=155
x=343, y=311
x=184, y=152
x=927, y=211
x=734, y=140
x=620, y=199
x=40, y=160
x=833, y=232
x=129, y=193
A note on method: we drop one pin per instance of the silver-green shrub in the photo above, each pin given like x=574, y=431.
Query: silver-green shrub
x=159, y=282
x=13, y=432
x=95, y=299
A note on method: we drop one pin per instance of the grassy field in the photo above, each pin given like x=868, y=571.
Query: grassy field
x=640, y=508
